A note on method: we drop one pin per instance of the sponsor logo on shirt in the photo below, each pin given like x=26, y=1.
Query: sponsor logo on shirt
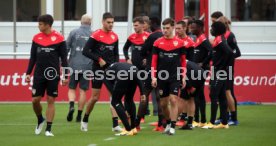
x=47, y=49
x=139, y=48
x=170, y=55
x=111, y=48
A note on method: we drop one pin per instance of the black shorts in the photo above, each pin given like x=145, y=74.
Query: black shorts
x=185, y=93
x=229, y=84
x=40, y=85
x=76, y=79
x=167, y=87
x=147, y=81
x=99, y=74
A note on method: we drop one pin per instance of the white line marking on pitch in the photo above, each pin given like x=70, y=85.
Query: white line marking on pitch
x=109, y=138
x=92, y=145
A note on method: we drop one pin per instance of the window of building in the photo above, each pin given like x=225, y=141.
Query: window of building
x=147, y=7
x=73, y=9
x=6, y=10
x=253, y=10
x=27, y=10
x=24, y=11
x=119, y=9
x=191, y=8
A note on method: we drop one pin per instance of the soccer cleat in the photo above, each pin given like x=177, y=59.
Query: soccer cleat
x=233, y=123
x=171, y=131
x=125, y=133
x=39, y=127
x=200, y=125
x=154, y=124
x=167, y=129
x=70, y=114
x=180, y=123
x=221, y=126
x=218, y=121
x=49, y=134
x=159, y=129
x=84, y=126
x=208, y=126
x=117, y=129
x=195, y=124
x=134, y=130
x=186, y=127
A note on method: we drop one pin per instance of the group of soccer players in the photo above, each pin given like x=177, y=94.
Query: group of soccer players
x=185, y=54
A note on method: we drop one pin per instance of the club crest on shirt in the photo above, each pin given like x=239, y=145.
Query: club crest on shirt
x=175, y=43
x=53, y=38
x=161, y=92
x=144, y=38
x=112, y=36
x=185, y=43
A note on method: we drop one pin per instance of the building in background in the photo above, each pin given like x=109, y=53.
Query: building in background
x=254, y=21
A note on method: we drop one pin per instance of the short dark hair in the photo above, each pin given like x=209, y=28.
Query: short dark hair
x=168, y=21
x=183, y=23
x=199, y=23
x=216, y=14
x=107, y=15
x=139, y=19
x=155, y=23
x=46, y=19
x=218, y=28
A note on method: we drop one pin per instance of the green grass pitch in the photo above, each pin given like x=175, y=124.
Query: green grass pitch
x=17, y=123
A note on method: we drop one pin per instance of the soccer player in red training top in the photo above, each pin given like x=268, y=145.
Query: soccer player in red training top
x=221, y=58
x=48, y=48
x=168, y=56
x=135, y=42
x=102, y=48
x=180, y=31
x=231, y=98
x=202, y=56
x=147, y=56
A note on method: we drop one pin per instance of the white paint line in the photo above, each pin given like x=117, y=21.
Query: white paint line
x=109, y=138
